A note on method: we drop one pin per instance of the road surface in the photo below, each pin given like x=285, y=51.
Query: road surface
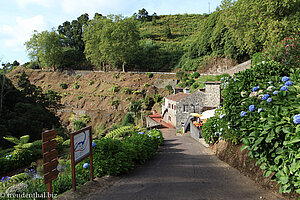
x=183, y=169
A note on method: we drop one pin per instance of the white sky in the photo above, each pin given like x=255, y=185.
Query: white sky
x=19, y=18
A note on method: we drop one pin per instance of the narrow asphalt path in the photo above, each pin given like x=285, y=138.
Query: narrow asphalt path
x=183, y=169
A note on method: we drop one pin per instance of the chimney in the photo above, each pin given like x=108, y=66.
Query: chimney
x=212, y=93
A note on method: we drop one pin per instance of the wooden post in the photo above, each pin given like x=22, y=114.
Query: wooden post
x=73, y=162
x=49, y=190
x=91, y=157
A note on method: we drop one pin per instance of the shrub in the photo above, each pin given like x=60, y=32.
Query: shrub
x=63, y=85
x=195, y=75
x=78, y=124
x=115, y=88
x=261, y=103
x=128, y=119
x=126, y=90
x=146, y=84
x=76, y=85
x=169, y=88
x=149, y=75
x=91, y=82
x=79, y=97
x=111, y=157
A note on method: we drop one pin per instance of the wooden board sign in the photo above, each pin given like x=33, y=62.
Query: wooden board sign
x=50, y=158
x=81, y=148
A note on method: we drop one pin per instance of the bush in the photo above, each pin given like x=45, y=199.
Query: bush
x=149, y=75
x=195, y=75
x=111, y=157
x=115, y=88
x=63, y=85
x=128, y=119
x=262, y=105
x=91, y=82
x=76, y=85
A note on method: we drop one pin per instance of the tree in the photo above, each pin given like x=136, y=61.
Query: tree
x=135, y=107
x=45, y=48
x=111, y=40
x=142, y=15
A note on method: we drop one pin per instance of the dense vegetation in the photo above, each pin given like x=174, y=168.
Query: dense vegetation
x=236, y=30
x=25, y=110
x=111, y=157
x=261, y=109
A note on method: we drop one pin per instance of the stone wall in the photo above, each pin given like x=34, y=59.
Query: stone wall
x=212, y=94
x=162, y=83
x=241, y=67
x=193, y=102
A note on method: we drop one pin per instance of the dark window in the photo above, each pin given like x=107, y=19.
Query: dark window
x=185, y=108
x=172, y=106
x=169, y=106
x=169, y=118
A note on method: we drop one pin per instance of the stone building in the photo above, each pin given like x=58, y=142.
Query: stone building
x=177, y=107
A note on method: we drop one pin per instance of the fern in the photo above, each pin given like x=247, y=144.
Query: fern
x=119, y=132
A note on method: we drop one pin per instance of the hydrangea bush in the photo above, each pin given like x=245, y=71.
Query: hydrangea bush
x=262, y=106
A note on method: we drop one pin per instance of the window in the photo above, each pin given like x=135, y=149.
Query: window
x=169, y=106
x=185, y=108
x=172, y=106
x=169, y=118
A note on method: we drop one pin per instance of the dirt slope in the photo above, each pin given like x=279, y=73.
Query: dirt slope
x=95, y=94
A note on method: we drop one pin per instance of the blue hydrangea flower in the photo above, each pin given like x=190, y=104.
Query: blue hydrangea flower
x=243, y=114
x=234, y=79
x=285, y=79
x=158, y=137
x=141, y=133
x=269, y=100
x=275, y=92
x=221, y=129
x=256, y=88
x=288, y=83
x=284, y=88
x=259, y=110
x=296, y=119
x=216, y=133
x=86, y=165
x=93, y=144
x=220, y=133
x=5, y=179
x=149, y=135
x=251, y=108
x=265, y=97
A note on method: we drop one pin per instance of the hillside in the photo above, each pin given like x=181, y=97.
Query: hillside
x=96, y=92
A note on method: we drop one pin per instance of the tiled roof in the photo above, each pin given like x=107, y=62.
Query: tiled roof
x=178, y=96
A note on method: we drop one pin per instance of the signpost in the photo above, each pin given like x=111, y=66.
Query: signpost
x=81, y=148
x=50, y=157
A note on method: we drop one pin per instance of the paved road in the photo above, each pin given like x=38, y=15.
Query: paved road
x=183, y=169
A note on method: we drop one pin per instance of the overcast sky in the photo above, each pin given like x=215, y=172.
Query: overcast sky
x=19, y=18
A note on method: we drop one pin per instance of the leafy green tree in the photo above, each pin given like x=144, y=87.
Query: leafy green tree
x=111, y=40
x=45, y=48
x=135, y=107
x=142, y=15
